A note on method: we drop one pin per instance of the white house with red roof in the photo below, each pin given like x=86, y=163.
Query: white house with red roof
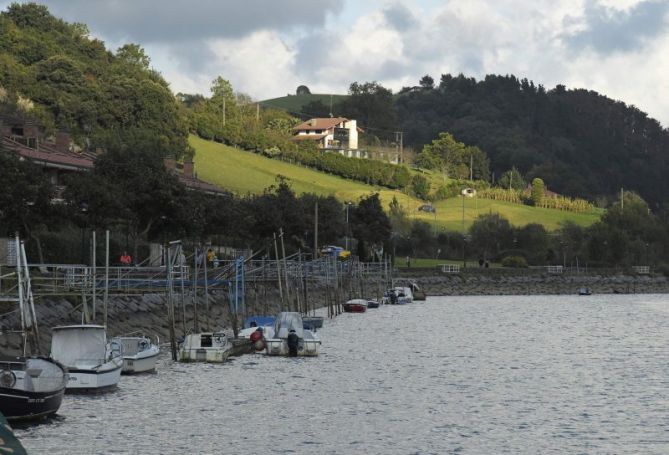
x=336, y=134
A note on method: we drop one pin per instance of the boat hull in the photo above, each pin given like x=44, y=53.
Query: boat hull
x=136, y=364
x=99, y=380
x=18, y=405
x=305, y=348
x=204, y=355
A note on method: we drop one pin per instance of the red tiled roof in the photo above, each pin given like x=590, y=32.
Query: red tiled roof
x=320, y=124
x=49, y=156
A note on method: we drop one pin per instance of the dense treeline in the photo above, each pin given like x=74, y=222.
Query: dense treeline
x=69, y=81
x=578, y=141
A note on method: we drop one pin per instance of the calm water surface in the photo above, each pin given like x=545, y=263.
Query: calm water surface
x=470, y=375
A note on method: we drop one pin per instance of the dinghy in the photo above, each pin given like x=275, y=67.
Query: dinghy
x=355, y=306
x=139, y=354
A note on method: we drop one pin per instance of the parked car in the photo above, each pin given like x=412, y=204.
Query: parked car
x=427, y=208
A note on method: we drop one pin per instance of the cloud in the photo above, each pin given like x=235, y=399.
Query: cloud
x=399, y=17
x=608, y=30
x=267, y=48
x=148, y=21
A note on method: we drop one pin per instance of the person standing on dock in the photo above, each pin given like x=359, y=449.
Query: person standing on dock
x=125, y=259
x=210, y=258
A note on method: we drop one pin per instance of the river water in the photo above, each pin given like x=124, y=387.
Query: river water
x=470, y=375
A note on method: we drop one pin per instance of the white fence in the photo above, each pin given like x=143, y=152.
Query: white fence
x=449, y=268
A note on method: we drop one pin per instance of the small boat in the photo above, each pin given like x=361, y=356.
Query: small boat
x=355, y=306
x=372, y=303
x=93, y=364
x=308, y=342
x=584, y=291
x=31, y=387
x=139, y=354
x=404, y=295
x=212, y=347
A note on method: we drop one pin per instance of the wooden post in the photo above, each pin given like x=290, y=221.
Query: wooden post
x=285, y=269
x=93, y=273
x=106, y=294
x=278, y=271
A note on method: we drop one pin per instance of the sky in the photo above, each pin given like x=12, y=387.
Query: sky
x=266, y=48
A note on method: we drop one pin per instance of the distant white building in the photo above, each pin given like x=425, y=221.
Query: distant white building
x=336, y=134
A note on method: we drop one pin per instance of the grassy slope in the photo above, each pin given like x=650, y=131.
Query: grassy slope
x=294, y=103
x=246, y=172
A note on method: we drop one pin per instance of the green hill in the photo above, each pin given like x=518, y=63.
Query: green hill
x=249, y=173
x=294, y=103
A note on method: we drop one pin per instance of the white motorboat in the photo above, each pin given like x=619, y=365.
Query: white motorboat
x=404, y=295
x=93, y=364
x=307, y=342
x=213, y=347
x=139, y=354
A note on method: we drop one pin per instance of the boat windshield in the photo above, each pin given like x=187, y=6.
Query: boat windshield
x=286, y=322
x=74, y=346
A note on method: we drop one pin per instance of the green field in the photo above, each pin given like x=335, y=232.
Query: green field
x=249, y=173
x=294, y=103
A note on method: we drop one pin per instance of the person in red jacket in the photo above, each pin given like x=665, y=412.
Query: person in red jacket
x=126, y=259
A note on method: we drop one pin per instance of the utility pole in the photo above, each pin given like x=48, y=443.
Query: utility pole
x=471, y=167
x=399, y=145
x=223, y=111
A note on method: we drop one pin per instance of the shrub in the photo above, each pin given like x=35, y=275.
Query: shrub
x=514, y=261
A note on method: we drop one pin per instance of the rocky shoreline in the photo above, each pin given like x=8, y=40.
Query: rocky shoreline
x=464, y=284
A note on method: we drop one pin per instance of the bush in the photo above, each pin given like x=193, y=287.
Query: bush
x=514, y=261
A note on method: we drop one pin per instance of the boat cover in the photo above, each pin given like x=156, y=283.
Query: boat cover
x=79, y=346
x=287, y=321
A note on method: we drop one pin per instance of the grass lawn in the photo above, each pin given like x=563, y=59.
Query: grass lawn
x=249, y=173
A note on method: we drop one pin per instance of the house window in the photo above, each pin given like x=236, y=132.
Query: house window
x=17, y=131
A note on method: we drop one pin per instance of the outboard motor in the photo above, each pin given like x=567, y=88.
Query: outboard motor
x=293, y=340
